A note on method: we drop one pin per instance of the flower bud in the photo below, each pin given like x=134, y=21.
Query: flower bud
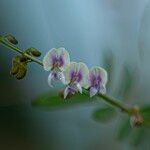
x=15, y=66
x=19, y=68
x=23, y=58
x=11, y=39
x=34, y=52
x=135, y=109
x=136, y=118
x=22, y=71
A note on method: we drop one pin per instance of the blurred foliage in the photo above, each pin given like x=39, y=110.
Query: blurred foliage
x=124, y=129
x=108, y=64
x=135, y=135
x=145, y=111
x=127, y=81
x=104, y=114
x=53, y=100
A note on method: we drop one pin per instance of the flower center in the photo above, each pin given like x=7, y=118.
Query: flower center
x=57, y=61
x=95, y=81
x=76, y=76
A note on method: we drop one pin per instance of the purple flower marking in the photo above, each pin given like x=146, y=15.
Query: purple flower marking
x=58, y=61
x=55, y=75
x=95, y=81
x=76, y=76
x=71, y=90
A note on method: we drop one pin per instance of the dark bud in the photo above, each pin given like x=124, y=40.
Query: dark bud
x=11, y=39
x=34, y=52
x=136, y=118
x=15, y=66
x=19, y=69
x=23, y=58
x=22, y=71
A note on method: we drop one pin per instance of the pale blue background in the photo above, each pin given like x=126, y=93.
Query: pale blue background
x=86, y=28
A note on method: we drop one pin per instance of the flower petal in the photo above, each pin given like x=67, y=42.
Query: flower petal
x=47, y=60
x=99, y=71
x=93, y=91
x=50, y=78
x=79, y=88
x=66, y=92
x=80, y=68
x=61, y=77
x=53, y=55
x=102, y=89
x=72, y=66
x=85, y=72
x=64, y=53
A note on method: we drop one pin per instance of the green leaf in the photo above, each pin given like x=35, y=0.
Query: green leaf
x=124, y=130
x=53, y=100
x=146, y=109
x=104, y=114
x=127, y=81
x=145, y=112
x=137, y=136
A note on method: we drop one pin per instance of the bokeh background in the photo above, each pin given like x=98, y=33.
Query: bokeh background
x=91, y=30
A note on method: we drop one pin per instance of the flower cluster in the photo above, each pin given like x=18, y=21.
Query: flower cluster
x=74, y=75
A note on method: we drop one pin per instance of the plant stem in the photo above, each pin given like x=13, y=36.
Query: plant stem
x=110, y=100
x=115, y=102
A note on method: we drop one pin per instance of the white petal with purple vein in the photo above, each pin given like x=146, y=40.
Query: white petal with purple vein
x=50, y=77
x=79, y=88
x=93, y=91
x=102, y=89
x=66, y=92
x=61, y=77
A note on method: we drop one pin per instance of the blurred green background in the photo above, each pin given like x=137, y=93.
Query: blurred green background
x=111, y=33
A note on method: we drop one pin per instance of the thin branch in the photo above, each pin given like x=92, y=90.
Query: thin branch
x=116, y=103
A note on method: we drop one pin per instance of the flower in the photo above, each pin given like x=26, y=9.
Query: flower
x=76, y=77
x=56, y=61
x=97, y=80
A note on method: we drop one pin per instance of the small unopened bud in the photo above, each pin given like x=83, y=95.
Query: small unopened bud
x=136, y=118
x=22, y=71
x=135, y=109
x=23, y=58
x=15, y=66
x=34, y=52
x=19, y=69
x=14, y=70
x=11, y=39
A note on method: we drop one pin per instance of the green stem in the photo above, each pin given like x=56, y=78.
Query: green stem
x=115, y=102
x=110, y=100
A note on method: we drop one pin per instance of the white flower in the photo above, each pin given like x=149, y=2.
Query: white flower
x=76, y=77
x=97, y=80
x=56, y=61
